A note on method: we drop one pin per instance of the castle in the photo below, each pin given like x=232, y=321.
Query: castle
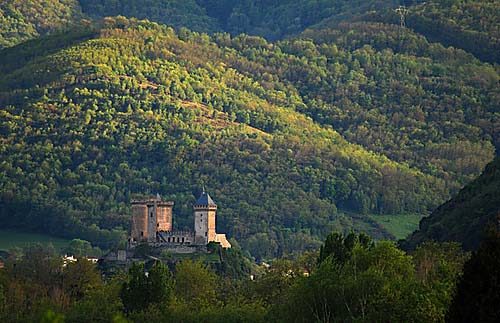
x=151, y=223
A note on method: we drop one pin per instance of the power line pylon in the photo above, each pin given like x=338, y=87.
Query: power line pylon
x=402, y=11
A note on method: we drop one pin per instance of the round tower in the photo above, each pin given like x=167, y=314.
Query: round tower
x=204, y=219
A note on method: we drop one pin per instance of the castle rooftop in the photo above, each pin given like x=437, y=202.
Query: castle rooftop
x=205, y=200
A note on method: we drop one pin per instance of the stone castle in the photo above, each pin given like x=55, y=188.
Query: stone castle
x=151, y=223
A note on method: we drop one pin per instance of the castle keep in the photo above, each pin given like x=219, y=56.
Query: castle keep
x=151, y=223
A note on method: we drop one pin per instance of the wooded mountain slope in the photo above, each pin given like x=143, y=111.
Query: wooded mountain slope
x=472, y=25
x=270, y=19
x=21, y=20
x=91, y=117
x=174, y=13
x=466, y=216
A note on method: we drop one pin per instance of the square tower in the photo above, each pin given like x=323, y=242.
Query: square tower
x=204, y=219
x=150, y=216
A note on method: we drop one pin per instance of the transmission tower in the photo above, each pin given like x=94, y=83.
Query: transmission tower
x=402, y=11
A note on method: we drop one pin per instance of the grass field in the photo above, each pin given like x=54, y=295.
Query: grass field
x=400, y=225
x=16, y=239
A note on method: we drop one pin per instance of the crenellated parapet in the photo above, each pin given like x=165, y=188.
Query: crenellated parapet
x=149, y=216
x=151, y=223
x=151, y=202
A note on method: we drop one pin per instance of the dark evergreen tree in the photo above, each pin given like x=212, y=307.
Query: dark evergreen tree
x=478, y=297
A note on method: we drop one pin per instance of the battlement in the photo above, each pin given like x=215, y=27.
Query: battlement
x=178, y=233
x=152, y=223
x=205, y=207
x=151, y=201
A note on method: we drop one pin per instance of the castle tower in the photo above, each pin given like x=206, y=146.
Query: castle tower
x=204, y=219
x=150, y=216
x=139, y=226
x=164, y=216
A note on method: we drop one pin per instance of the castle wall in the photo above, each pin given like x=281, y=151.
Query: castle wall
x=139, y=227
x=179, y=248
x=164, y=217
x=177, y=237
x=221, y=238
x=152, y=223
x=150, y=216
x=211, y=225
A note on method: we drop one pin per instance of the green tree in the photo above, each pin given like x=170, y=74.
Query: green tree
x=374, y=284
x=80, y=277
x=195, y=284
x=340, y=248
x=477, y=295
x=79, y=248
x=143, y=289
x=101, y=304
x=52, y=317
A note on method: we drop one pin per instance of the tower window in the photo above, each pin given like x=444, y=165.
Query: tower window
x=142, y=234
x=205, y=234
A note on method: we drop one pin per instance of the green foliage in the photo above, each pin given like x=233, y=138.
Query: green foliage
x=91, y=117
x=471, y=25
x=232, y=263
x=52, y=317
x=98, y=305
x=3, y=301
x=434, y=262
x=175, y=13
x=21, y=20
x=276, y=19
x=477, y=296
x=82, y=248
x=142, y=290
x=438, y=267
x=195, y=284
x=465, y=217
x=339, y=248
x=373, y=282
x=79, y=278
x=38, y=287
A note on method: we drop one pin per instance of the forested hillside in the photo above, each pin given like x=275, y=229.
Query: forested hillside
x=21, y=20
x=471, y=25
x=270, y=19
x=466, y=217
x=278, y=19
x=468, y=24
x=355, y=114
x=91, y=117
x=174, y=13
